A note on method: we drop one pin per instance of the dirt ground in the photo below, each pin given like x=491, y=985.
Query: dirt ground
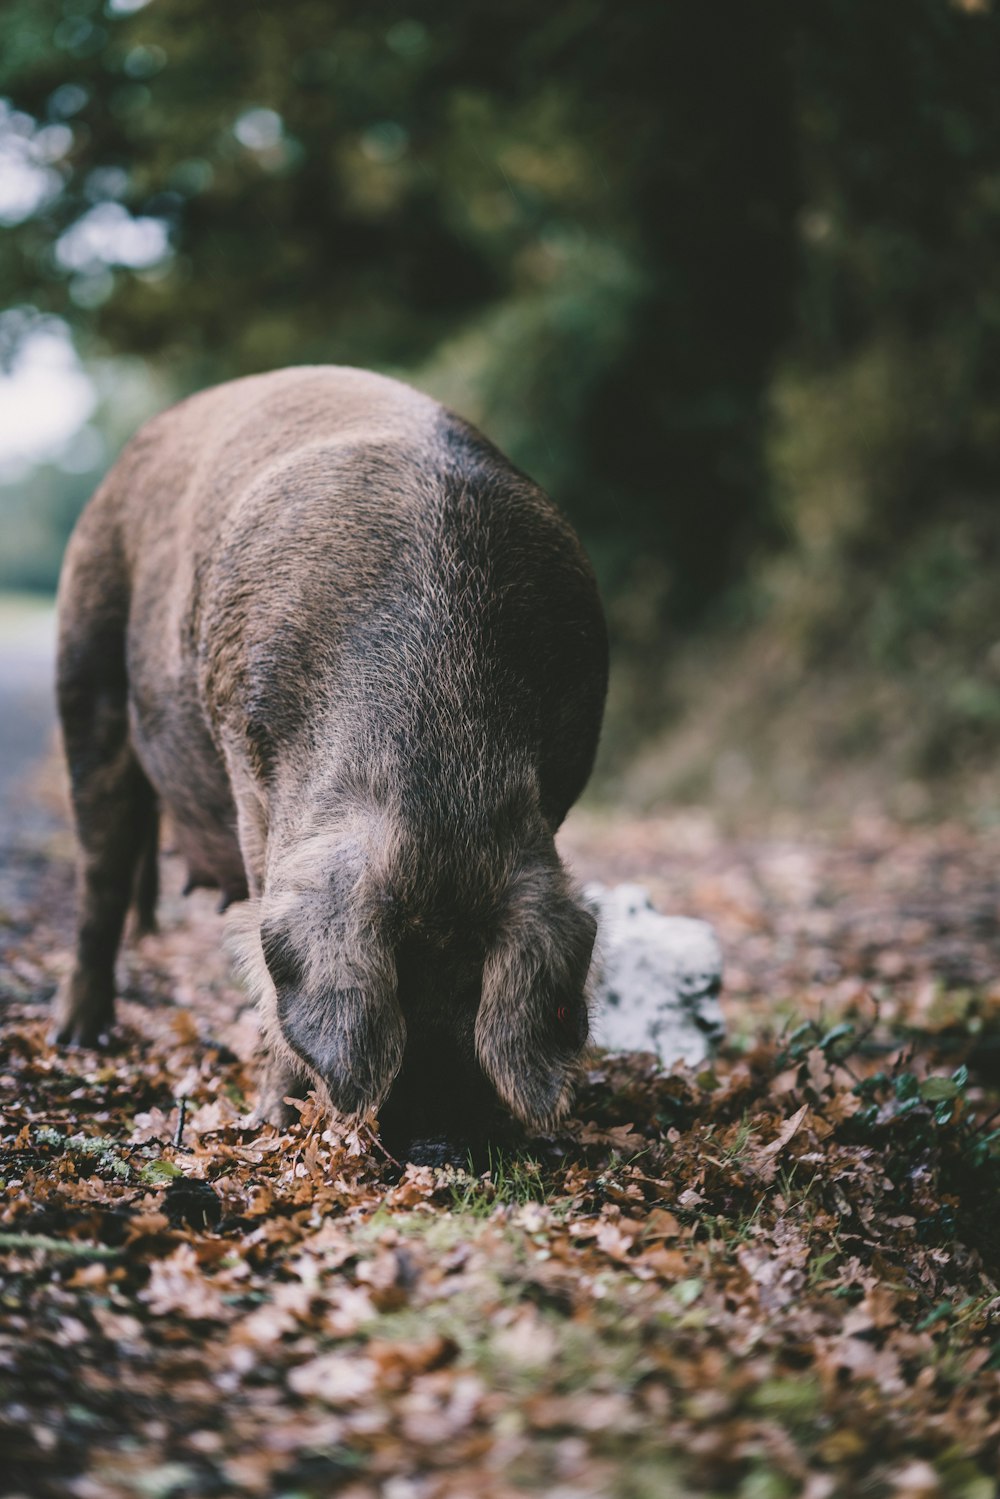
x=776, y=1277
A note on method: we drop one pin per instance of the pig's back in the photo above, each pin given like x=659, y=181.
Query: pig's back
x=183, y=479
x=327, y=547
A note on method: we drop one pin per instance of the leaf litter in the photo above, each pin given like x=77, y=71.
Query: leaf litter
x=774, y=1276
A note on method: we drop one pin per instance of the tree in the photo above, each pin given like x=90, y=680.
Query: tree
x=363, y=183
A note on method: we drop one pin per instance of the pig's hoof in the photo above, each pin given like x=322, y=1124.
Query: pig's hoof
x=273, y=1110
x=278, y=1081
x=84, y=1014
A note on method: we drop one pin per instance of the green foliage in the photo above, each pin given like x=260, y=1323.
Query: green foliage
x=722, y=278
x=941, y=1161
x=379, y=185
x=511, y=1181
x=100, y=1155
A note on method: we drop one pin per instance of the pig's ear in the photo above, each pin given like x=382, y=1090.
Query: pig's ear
x=532, y=1022
x=328, y=998
x=352, y=1035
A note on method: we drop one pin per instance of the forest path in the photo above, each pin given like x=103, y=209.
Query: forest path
x=27, y=696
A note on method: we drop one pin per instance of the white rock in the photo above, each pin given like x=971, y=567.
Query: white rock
x=656, y=978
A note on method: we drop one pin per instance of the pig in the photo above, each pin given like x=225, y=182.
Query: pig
x=359, y=660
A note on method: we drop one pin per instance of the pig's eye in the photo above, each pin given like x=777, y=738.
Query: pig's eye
x=570, y=1028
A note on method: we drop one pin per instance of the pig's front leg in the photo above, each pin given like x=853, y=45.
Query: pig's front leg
x=278, y=1079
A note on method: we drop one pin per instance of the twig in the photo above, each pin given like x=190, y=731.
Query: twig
x=377, y=1143
x=985, y=1123
x=58, y=1246
x=862, y=1035
x=181, y=1116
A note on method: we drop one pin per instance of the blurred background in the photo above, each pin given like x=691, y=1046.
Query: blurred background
x=724, y=278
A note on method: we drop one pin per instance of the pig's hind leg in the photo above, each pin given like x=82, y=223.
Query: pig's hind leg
x=146, y=885
x=115, y=812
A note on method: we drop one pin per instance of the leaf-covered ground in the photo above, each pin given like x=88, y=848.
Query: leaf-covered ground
x=776, y=1277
